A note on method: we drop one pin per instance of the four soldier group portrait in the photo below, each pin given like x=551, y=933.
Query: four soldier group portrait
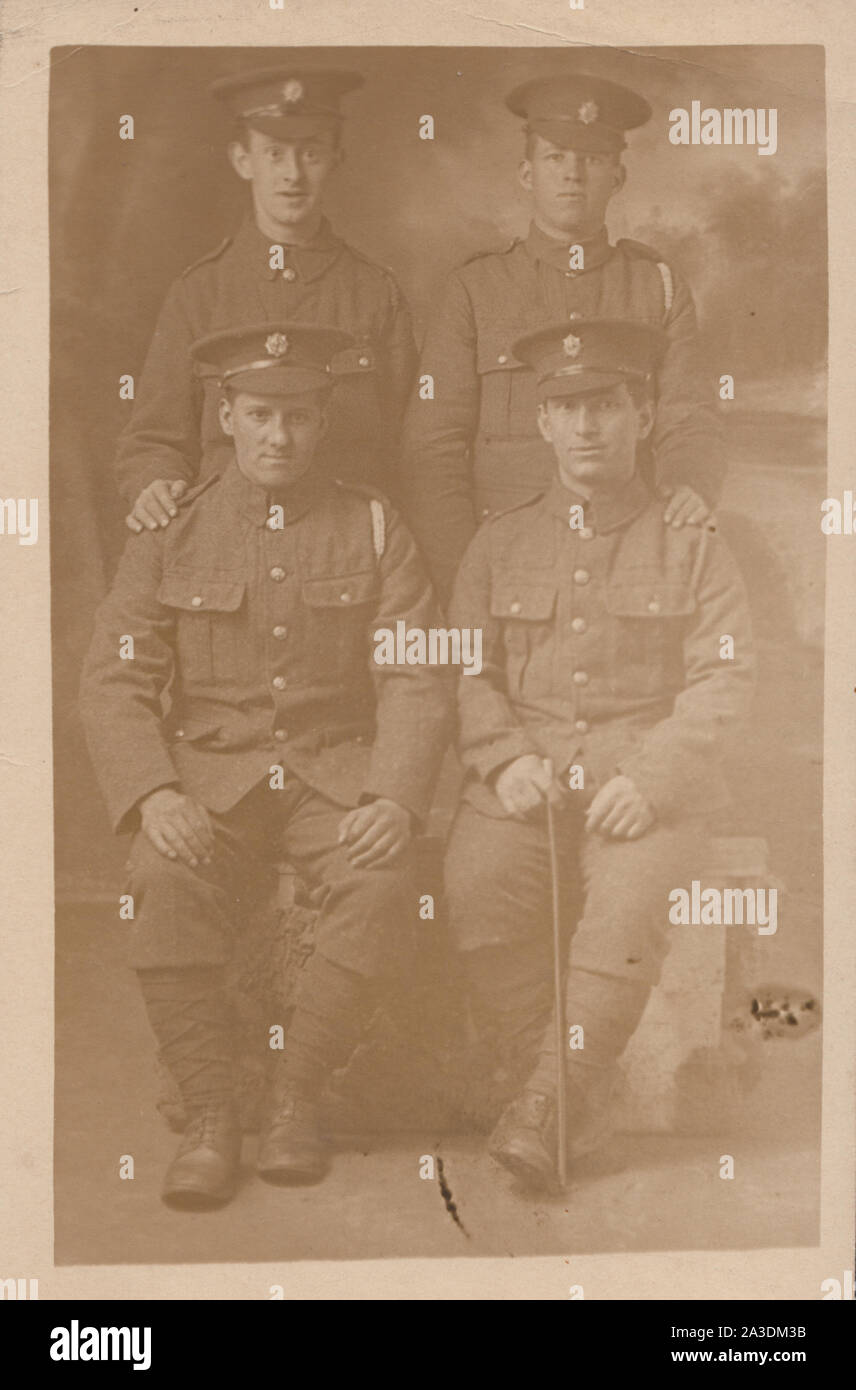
x=543, y=470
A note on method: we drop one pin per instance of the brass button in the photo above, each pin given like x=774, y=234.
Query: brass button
x=279, y=682
x=581, y=678
x=514, y=607
x=280, y=632
x=345, y=597
x=364, y=362
x=654, y=606
x=581, y=726
x=574, y=314
x=581, y=576
x=502, y=359
x=280, y=735
x=579, y=624
x=179, y=733
x=289, y=273
x=586, y=533
x=485, y=511
x=277, y=574
x=196, y=601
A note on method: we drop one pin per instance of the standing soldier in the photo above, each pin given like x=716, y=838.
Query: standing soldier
x=284, y=262
x=253, y=612
x=473, y=448
x=604, y=691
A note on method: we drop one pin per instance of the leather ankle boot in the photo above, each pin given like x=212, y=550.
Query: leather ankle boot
x=524, y=1140
x=204, y=1172
x=291, y=1147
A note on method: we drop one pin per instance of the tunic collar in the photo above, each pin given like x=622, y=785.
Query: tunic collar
x=254, y=502
x=556, y=253
x=603, y=513
x=306, y=262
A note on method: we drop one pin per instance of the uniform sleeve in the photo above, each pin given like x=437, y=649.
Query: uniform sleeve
x=120, y=698
x=415, y=704
x=438, y=438
x=161, y=439
x=676, y=760
x=687, y=439
x=489, y=733
x=399, y=352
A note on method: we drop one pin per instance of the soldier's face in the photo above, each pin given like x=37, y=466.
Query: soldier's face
x=570, y=189
x=594, y=436
x=275, y=436
x=288, y=176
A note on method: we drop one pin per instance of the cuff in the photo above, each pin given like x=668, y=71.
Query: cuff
x=491, y=757
x=130, y=490
x=124, y=805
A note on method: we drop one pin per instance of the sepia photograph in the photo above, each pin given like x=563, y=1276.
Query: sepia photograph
x=438, y=483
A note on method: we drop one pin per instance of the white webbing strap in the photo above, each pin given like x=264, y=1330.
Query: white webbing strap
x=668, y=285
x=378, y=527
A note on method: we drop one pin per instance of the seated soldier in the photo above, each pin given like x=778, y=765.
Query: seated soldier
x=283, y=737
x=603, y=691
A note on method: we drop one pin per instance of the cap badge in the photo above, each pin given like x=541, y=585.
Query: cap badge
x=588, y=112
x=292, y=91
x=276, y=345
x=571, y=345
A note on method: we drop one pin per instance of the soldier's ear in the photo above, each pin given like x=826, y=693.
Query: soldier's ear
x=524, y=174
x=543, y=420
x=620, y=176
x=225, y=413
x=239, y=158
x=645, y=414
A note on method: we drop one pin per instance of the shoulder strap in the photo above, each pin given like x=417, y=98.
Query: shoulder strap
x=196, y=491
x=209, y=255
x=516, y=506
x=497, y=251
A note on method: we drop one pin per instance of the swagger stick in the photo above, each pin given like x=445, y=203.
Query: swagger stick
x=558, y=1005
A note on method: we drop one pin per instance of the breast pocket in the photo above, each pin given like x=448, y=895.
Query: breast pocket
x=340, y=608
x=507, y=404
x=649, y=617
x=526, y=612
x=210, y=623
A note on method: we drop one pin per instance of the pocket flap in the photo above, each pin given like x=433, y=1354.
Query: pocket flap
x=340, y=590
x=650, y=600
x=201, y=593
x=194, y=730
x=526, y=601
x=493, y=352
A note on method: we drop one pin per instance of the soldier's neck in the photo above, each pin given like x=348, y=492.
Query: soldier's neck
x=291, y=234
x=594, y=491
x=582, y=235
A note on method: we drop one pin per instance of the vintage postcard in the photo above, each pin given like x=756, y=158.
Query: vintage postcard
x=427, y=514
